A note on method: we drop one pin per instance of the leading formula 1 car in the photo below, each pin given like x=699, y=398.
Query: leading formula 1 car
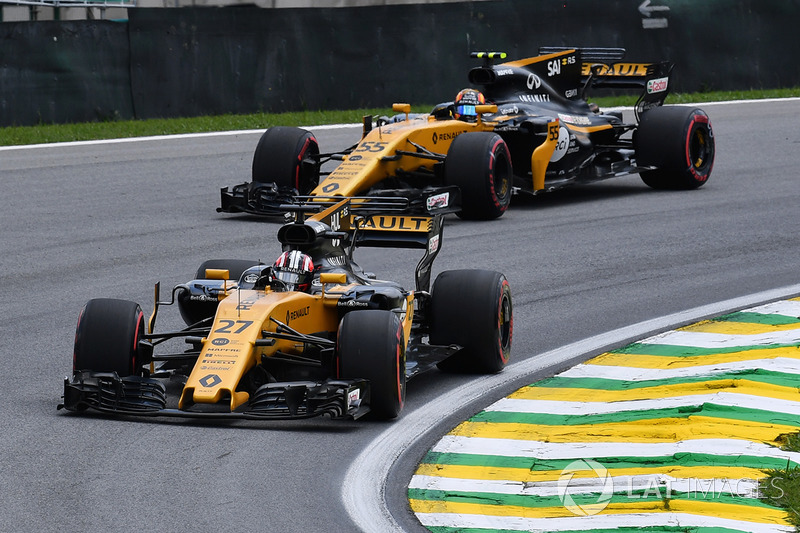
x=313, y=334
x=535, y=133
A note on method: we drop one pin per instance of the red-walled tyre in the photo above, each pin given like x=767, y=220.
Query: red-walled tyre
x=371, y=345
x=472, y=308
x=679, y=141
x=284, y=156
x=480, y=164
x=107, y=338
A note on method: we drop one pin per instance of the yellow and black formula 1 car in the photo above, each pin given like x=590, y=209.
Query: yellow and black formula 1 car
x=313, y=334
x=530, y=129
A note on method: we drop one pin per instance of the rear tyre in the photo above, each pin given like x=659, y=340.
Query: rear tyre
x=472, y=308
x=282, y=157
x=480, y=164
x=107, y=338
x=680, y=142
x=371, y=345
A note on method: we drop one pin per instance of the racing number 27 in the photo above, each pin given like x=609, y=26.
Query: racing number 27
x=227, y=326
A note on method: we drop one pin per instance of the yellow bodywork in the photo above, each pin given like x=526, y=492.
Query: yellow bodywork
x=376, y=156
x=245, y=317
x=230, y=351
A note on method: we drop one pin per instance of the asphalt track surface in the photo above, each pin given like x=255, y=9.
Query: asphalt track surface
x=589, y=267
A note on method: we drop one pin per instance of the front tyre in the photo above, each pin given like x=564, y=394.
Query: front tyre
x=370, y=345
x=107, y=338
x=480, y=164
x=472, y=308
x=679, y=141
x=286, y=156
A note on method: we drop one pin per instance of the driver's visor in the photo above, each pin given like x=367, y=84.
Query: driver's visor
x=289, y=278
x=466, y=110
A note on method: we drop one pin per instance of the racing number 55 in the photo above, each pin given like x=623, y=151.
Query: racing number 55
x=371, y=146
x=552, y=130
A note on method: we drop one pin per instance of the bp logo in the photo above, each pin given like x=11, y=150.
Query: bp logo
x=585, y=488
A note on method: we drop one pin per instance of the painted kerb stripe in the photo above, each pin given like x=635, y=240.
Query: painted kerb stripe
x=671, y=432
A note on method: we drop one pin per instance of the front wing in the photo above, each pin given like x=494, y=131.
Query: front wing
x=141, y=396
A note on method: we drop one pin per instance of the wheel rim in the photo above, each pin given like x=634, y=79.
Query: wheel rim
x=502, y=178
x=699, y=149
x=505, y=322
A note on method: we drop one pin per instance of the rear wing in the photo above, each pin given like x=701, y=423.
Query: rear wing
x=604, y=68
x=377, y=222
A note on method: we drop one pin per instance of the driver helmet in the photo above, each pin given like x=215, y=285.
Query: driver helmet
x=465, y=102
x=295, y=269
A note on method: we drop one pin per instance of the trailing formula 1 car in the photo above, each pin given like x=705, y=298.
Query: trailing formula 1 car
x=312, y=334
x=529, y=129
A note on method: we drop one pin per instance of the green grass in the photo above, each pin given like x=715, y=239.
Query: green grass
x=781, y=487
x=51, y=133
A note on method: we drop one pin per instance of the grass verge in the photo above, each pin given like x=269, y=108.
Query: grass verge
x=781, y=487
x=51, y=133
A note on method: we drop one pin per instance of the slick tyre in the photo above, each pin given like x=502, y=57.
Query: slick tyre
x=107, y=338
x=480, y=164
x=679, y=141
x=472, y=308
x=285, y=156
x=371, y=345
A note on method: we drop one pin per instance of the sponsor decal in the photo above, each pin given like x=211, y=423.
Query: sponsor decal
x=553, y=68
x=227, y=351
x=246, y=305
x=210, y=381
x=445, y=136
x=534, y=97
x=251, y=278
x=510, y=110
x=534, y=81
x=504, y=71
x=219, y=361
x=221, y=341
x=617, y=69
x=353, y=397
x=438, y=200
x=354, y=157
x=561, y=145
x=351, y=303
x=658, y=85
x=403, y=223
x=433, y=244
x=343, y=174
x=575, y=119
x=571, y=93
x=297, y=313
x=203, y=298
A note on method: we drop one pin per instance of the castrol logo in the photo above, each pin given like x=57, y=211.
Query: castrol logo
x=657, y=86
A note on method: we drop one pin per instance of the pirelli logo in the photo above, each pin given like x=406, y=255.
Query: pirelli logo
x=397, y=223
